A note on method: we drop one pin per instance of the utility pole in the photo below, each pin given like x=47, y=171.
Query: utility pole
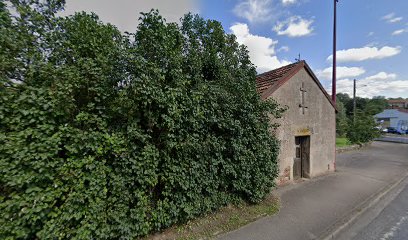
x=334, y=54
x=354, y=100
x=334, y=72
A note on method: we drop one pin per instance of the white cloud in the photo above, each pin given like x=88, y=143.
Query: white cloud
x=388, y=16
x=341, y=72
x=295, y=26
x=382, y=83
x=254, y=10
x=365, y=53
x=391, y=18
x=284, y=49
x=370, y=34
x=382, y=76
x=287, y=2
x=261, y=49
x=399, y=31
x=394, y=20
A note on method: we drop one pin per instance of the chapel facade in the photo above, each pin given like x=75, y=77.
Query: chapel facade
x=307, y=130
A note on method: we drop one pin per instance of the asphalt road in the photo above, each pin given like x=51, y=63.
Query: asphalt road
x=319, y=207
x=387, y=220
x=395, y=138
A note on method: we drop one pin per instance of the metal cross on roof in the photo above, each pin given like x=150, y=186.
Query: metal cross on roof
x=298, y=59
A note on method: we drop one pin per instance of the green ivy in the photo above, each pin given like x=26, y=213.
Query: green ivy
x=106, y=135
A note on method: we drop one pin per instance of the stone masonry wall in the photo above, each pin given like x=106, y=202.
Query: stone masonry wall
x=318, y=122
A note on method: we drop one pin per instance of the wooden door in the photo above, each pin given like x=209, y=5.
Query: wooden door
x=301, y=164
x=305, y=157
x=297, y=163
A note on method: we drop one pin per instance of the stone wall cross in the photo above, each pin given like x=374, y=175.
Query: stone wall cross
x=303, y=105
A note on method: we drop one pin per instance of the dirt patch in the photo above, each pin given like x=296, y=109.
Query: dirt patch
x=226, y=219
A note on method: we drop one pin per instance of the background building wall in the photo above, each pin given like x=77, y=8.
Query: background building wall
x=394, y=115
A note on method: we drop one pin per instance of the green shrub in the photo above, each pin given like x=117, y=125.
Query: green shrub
x=341, y=120
x=362, y=129
x=105, y=136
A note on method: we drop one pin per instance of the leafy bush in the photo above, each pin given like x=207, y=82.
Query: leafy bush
x=363, y=129
x=105, y=135
x=341, y=120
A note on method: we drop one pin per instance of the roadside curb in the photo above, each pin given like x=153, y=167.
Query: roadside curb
x=333, y=231
x=352, y=147
x=392, y=141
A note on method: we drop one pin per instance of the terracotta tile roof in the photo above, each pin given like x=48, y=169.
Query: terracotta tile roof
x=397, y=101
x=267, y=79
x=268, y=82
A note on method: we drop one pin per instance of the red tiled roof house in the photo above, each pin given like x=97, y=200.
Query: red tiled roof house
x=307, y=129
x=398, y=103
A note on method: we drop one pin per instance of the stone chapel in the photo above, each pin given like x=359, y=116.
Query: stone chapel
x=307, y=131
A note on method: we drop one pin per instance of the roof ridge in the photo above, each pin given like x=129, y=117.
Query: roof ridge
x=265, y=80
x=279, y=68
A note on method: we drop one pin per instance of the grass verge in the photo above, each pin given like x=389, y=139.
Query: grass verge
x=342, y=142
x=226, y=219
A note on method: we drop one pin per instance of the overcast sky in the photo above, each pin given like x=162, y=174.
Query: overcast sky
x=372, y=35
x=125, y=13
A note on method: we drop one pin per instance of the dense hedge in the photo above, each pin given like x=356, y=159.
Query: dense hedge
x=106, y=135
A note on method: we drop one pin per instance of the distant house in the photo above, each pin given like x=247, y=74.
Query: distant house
x=397, y=118
x=307, y=130
x=398, y=103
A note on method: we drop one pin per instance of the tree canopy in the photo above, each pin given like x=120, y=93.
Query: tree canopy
x=360, y=128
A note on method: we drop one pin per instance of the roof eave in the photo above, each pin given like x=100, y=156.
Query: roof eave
x=267, y=93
